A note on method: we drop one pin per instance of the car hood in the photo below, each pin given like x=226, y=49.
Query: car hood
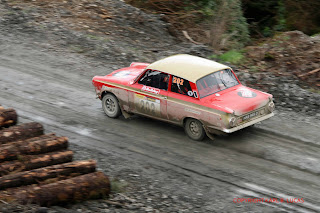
x=238, y=99
x=123, y=76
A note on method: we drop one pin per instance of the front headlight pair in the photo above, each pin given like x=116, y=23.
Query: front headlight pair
x=235, y=121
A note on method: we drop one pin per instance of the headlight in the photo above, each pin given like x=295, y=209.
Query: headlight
x=271, y=106
x=232, y=122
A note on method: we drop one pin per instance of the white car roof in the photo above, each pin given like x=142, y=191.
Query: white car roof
x=189, y=67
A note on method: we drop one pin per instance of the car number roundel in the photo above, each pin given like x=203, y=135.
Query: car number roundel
x=147, y=105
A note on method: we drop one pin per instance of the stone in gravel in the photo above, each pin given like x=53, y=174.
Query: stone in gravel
x=42, y=210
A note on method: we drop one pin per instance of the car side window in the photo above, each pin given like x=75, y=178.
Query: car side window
x=181, y=86
x=156, y=79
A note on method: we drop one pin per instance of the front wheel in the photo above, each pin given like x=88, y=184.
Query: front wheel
x=110, y=106
x=194, y=129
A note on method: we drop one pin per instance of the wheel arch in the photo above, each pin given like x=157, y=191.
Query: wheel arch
x=194, y=134
x=190, y=117
x=104, y=93
x=118, y=106
x=108, y=92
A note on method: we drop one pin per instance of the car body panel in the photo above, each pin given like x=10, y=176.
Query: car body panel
x=227, y=110
x=148, y=101
x=240, y=99
x=186, y=66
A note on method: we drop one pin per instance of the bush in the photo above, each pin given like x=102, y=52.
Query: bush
x=219, y=23
x=232, y=56
x=229, y=29
x=267, y=17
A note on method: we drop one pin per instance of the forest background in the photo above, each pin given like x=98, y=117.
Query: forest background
x=232, y=24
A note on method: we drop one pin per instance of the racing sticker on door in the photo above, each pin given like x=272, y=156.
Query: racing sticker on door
x=147, y=105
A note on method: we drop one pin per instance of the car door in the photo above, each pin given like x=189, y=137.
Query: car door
x=150, y=94
x=182, y=100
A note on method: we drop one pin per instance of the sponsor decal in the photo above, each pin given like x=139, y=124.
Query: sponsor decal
x=190, y=93
x=104, y=87
x=195, y=94
x=150, y=89
x=121, y=74
x=140, y=96
x=192, y=111
x=245, y=93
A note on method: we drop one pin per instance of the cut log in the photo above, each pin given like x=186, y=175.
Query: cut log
x=1, y=107
x=41, y=137
x=32, y=146
x=50, y=144
x=23, y=131
x=89, y=186
x=8, y=117
x=59, y=172
x=28, y=162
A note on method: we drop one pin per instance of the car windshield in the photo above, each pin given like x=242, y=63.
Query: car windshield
x=216, y=82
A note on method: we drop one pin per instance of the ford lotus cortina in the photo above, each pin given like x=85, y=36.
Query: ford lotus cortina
x=203, y=96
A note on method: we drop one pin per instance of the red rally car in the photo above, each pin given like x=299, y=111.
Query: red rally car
x=203, y=96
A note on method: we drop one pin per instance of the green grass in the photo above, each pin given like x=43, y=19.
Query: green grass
x=97, y=38
x=77, y=49
x=232, y=56
x=118, y=186
x=316, y=34
x=254, y=69
x=314, y=90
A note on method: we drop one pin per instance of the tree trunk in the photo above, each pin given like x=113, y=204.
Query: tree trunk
x=93, y=185
x=28, y=162
x=57, y=172
x=8, y=117
x=32, y=146
x=23, y=131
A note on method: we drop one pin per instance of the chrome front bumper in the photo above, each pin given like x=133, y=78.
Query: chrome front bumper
x=241, y=126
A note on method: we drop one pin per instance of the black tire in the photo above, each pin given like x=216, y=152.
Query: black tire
x=194, y=129
x=110, y=106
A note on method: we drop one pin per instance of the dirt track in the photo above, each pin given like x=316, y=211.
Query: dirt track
x=248, y=163
x=277, y=159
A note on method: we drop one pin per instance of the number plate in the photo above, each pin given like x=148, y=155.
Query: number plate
x=249, y=116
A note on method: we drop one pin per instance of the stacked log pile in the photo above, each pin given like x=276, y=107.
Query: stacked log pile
x=38, y=168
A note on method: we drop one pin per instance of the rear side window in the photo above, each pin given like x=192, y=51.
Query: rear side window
x=156, y=79
x=181, y=86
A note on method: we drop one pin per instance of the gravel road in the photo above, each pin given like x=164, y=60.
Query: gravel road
x=156, y=167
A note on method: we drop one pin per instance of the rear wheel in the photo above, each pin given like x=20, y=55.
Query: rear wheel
x=194, y=129
x=110, y=106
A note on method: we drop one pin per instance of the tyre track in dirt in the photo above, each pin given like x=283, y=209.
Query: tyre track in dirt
x=240, y=185
x=276, y=148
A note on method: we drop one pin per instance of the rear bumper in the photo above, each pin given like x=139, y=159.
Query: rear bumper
x=245, y=124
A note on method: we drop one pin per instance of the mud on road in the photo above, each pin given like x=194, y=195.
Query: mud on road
x=160, y=169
